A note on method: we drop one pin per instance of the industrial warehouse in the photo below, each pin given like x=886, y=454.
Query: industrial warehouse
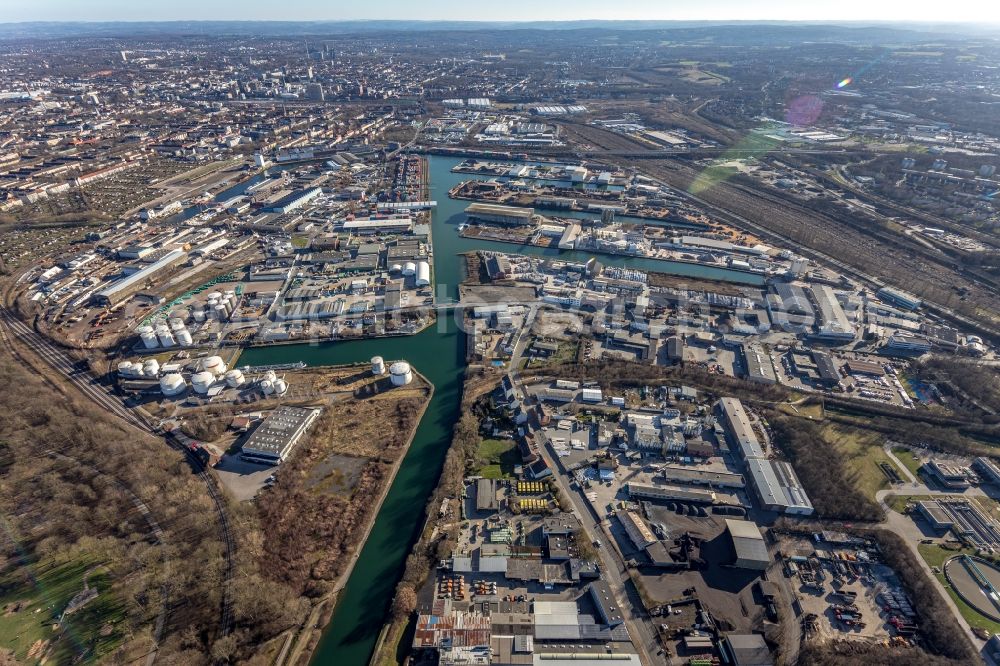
x=775, y=483
x=276, y=436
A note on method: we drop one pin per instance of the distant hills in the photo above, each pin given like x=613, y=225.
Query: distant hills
x=722, y=31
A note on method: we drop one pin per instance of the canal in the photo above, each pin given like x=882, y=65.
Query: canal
x=439, y=354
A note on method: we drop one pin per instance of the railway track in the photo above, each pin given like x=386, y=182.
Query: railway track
x=85, y=382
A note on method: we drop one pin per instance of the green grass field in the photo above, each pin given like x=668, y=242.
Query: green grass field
x=499, y=457
x=906, y=457
x=39, y=593
x=862, y=453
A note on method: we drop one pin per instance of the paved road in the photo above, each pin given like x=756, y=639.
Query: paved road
x=906, y=528
x=613, y=569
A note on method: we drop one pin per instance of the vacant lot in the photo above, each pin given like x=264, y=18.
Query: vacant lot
x=329, y=488
x=498, y=458
x=862, y=453
x=908, y=458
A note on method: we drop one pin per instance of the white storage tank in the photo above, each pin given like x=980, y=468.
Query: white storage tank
x=215, y=365
x=378, y=365
x=269, y=376
x=410, y=268
x=172, y=384
x=267, y=386
x=423, y=274
x=396, y=268
x=184, y=338
x=220, y=312
x=125, y=369
x=177, y=325
x=202, y=381
x=214, y=296
x=400, y=373
x=235, y=378
x=165, y=337
x=198, y=313
x=280, y=387
x=148, y=337
x=151, y=368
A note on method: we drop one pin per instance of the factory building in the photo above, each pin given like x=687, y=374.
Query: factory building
x=486, y=495
x=900, y=298
x=636, y=529
x=294, y=201
x=670, y=493
x=746, y=650
x=748, y=544
x=127, y=286
x=675, y=349
x=987, y=470
x=506, y=215
x=741, y=434
x=392, y=225
x=905, y=344
x=775, y=483
x=277, y=435
x=935, y=515
x=949, y=476
x=604, y=600
x=699, y=477
x=833, y=322
x=758, y=364
x=777, y=487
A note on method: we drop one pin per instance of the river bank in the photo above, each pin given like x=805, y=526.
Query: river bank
x=439, y=523
x=439, y=353
x=310, y=632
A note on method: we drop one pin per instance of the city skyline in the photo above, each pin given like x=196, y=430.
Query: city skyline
x=849, y=11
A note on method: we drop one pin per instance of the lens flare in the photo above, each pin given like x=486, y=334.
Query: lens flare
x=803, y=111
x=846, y=82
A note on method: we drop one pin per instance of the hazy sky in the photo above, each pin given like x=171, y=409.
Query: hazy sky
x=518, y=10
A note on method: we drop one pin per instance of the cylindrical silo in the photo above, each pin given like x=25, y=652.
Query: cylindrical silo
x=148, y=337
x=125, y=368
x=198, y=313
x=410, y=268
x=235, y=378
x=172, y=384
x=400, y=373
x=267, y=386
x=378, y=365
x=215, y=365
x=280, y=387
x=202, y=381
x=165, y=337
x=184, y=338
x=151, y=368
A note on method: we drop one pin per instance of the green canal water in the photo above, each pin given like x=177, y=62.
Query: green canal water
x=439, y=354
